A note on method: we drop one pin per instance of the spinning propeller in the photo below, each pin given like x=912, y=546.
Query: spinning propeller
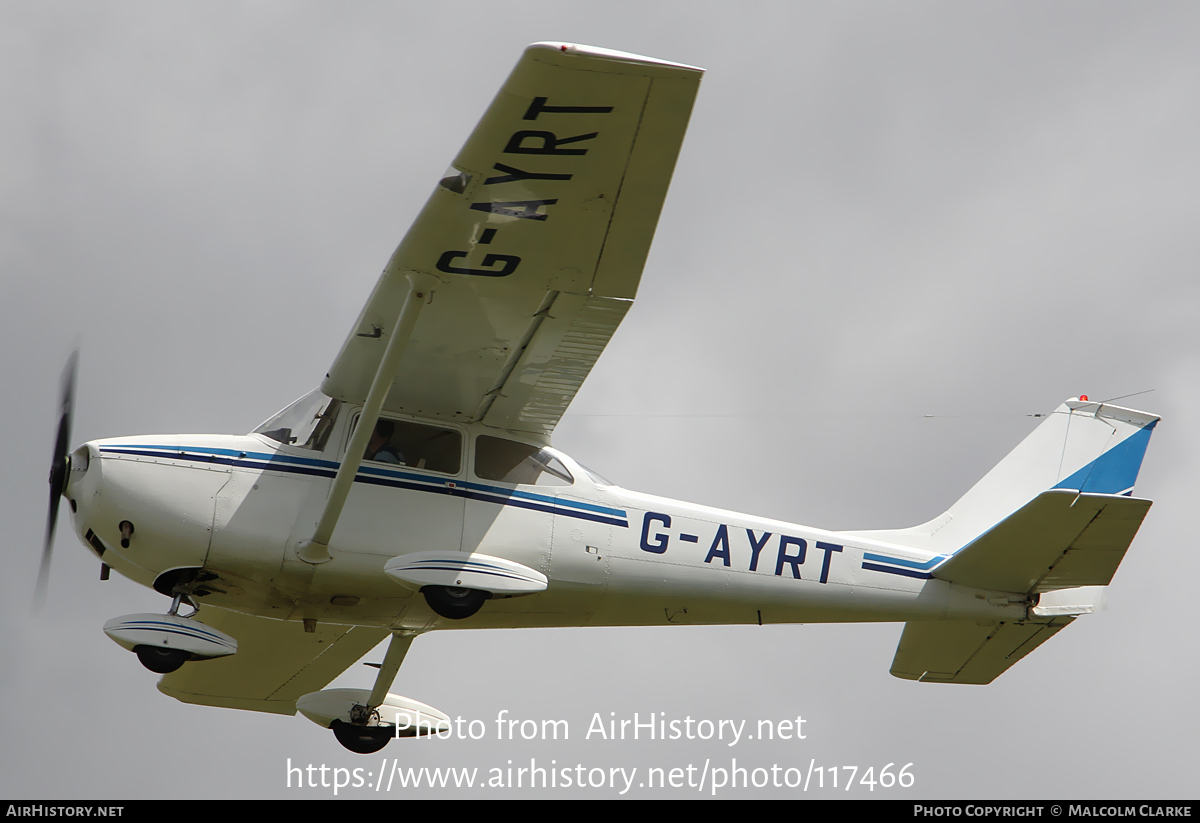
x=60, y=468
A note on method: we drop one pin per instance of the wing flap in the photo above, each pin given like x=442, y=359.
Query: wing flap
x=1059, y=540
x=277, y=662
x=963, y=651
x=559, y=357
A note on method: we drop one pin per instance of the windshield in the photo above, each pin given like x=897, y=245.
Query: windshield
x=596, y=478
x=305, y=423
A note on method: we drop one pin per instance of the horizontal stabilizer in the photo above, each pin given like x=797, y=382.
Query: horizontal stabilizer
x=1059, y=540
x=962, y=651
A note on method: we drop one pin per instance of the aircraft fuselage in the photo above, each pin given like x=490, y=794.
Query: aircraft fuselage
x=238, y=506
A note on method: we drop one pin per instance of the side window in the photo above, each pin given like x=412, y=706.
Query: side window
x=415, y=445
x=511, y=462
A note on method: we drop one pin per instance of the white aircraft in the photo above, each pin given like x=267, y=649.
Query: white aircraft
x=417, y=488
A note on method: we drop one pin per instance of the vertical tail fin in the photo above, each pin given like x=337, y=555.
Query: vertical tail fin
x=1082, y=446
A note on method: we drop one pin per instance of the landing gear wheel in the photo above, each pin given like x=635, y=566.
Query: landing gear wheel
x=362, y=739
x=453, y=602
x=161, y=660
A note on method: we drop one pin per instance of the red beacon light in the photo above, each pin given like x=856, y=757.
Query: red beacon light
x=1083, y=397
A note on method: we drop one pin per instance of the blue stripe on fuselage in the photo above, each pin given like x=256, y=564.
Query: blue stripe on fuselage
x=375, y=476
x=892, y=570
x=912, y=564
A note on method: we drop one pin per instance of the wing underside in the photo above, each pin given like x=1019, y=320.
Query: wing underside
x=276, y=663
x=536, y=237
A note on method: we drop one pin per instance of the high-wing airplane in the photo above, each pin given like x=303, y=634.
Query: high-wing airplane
x=417, y=488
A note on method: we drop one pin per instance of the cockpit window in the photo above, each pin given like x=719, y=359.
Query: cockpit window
x=598, y=479
x=511, y=462
x=305, y=424
x=415, y=445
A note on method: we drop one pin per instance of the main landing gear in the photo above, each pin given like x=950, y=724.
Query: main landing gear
x=365, y=733
x=453, y=602
x=456, y=584
x=364, y=721
x=160, y=659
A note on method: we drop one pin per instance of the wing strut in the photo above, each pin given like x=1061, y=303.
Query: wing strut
x=316, y=550
x=397, y=649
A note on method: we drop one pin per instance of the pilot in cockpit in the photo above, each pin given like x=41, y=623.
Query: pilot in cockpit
x=379, y=448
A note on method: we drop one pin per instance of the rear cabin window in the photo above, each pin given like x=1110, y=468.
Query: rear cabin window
x=508, y=461
x=415, y=445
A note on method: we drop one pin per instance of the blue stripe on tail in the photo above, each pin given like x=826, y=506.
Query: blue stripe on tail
x=1115, y=471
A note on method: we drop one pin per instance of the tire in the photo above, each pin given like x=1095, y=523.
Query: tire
x=161, y=660
x=454, y=603
x=362, y=739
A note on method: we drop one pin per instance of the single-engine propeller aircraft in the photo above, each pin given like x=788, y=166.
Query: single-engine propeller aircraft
x=417, y=489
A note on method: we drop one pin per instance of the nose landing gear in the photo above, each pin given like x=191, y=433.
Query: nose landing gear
x=164, y=642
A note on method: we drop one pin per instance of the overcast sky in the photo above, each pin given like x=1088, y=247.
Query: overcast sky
x=882, y=211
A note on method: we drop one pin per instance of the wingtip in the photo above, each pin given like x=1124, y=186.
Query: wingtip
x=596, y=52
